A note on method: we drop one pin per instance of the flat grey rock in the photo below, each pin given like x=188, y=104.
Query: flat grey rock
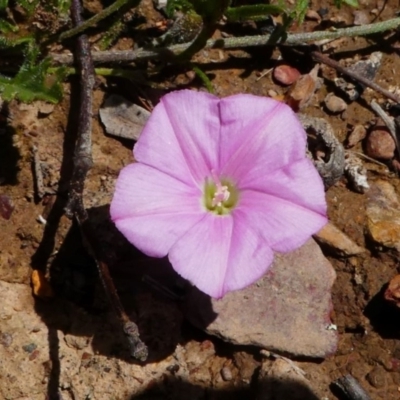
x=122, y=118
x=286, y=311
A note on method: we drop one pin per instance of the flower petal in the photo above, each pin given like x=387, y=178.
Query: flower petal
x=284, y=225
x=258, y=135
x=297, y=182
x=153, y=209
x=220, y=254
x=181, y=137
x=249, y=257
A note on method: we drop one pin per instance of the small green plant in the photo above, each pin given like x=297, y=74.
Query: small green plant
x=7, y=25
x=32, y=81
x=299, y=12
x=173, y=6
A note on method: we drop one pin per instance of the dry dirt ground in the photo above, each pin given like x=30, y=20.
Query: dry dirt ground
x=70, y=347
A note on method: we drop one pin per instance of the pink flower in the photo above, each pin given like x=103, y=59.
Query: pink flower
x=219, y=184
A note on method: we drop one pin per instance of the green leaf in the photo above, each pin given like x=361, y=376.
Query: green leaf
x=254, y=12
x=351, y=3
x=29, y=5
x=33, y=83
x=63, y=6
x=6, y=43
x=300, y=10
x=3, y=4
x=60, y=7
x=204, y=78
x=178, y=5
x=7, y=27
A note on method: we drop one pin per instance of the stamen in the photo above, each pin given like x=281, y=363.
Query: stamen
x=221, y=194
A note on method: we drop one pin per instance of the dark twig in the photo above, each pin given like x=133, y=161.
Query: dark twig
x=38, y=173
x=351, y=388
x=138, y=349
x=83, y=150
x=82, y=164
x=317, y=56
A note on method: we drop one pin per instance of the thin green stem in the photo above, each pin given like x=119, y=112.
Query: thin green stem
x=204, y=78
x=96, y=19
x=303, y=38
x=232, y=43
x=110, y=72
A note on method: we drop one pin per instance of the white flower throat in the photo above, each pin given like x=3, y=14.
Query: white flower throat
x=220, y=195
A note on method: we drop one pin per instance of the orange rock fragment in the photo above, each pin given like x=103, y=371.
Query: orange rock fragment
x=40, y=285
x=300, y=94
x=392, y=293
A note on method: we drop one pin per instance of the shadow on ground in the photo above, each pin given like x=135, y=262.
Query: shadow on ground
x=81, y=307
x=384, y=316
x=172, y=388
x=9, y=155
x=150, y=291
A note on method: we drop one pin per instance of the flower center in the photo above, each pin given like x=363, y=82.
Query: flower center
x=220, y=195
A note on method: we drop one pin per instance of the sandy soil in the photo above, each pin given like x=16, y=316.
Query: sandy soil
x=70, y=347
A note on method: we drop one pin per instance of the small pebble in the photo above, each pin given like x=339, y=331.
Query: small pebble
x=173, y=368
x=40, y=285
x=86, y=359
x=361, y=18
x=6, y=339
x=380, y=144
x=313, y=16
x=356, y=173
x=285, y=74
x=272, y=93
x=334, y=104
x=191, y=74
x=226, y=374
x=36, y=329
x=34, y=355
x=392, y=292
x=358, y=133
x=6, y=206
x=76, y=342
x=160, y=4
x=29, y=348
x=378, y=377
x=45, y=108
x=323, y=12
